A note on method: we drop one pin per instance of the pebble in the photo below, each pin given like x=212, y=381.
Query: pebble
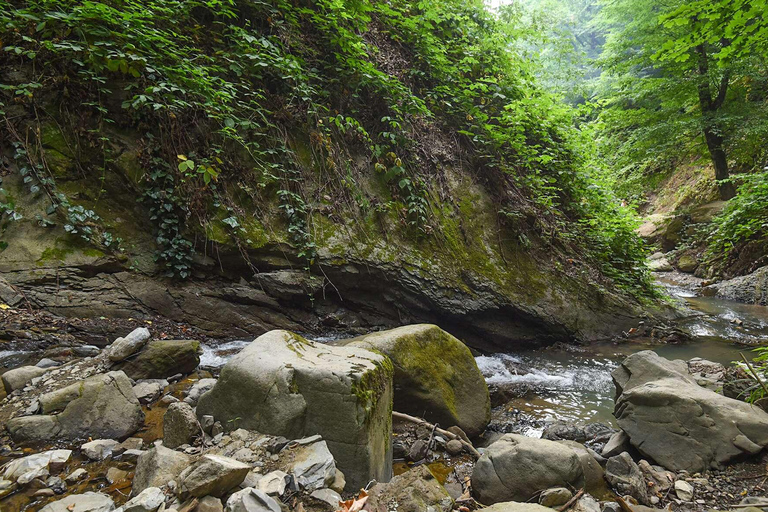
x=44, y=493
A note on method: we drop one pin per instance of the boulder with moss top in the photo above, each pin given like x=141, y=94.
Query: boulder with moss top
x=436, y=376
x=162, y=358
x=282, y=384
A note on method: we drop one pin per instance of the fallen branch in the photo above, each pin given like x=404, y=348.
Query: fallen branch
x=571, y=501
x=445, y=433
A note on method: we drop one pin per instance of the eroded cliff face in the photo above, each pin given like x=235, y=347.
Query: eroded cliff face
x=472, y=276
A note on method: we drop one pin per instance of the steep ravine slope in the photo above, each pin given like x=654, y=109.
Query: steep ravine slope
x=324, y=167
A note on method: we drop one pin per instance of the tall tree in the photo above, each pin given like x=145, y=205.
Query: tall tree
x=680, y=68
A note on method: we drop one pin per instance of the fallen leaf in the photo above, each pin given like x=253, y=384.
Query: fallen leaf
x=5, y=306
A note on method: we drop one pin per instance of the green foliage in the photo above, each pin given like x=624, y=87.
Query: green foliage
x=744, y=218
x=220, y=90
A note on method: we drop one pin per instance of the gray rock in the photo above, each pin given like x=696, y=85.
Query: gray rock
x=625, y=476
x=148, y=500
x=132, y=443
x=555, y=497
x=206, y=423
x=213, y=475
x=251, y=500
x=162, y=358
x=17, y=378
x=179, y=425
x=115, y=475
x=47, y=363
x=99, y=449
x=198, y=389
x=282, y=384
x=436, y=376
x=684, y=490
x=454, y=447
x=658, y=401
x=618, y=443
x=53, y=459
x=102, y=406
x=610, y=506
x=594, y=477
x=416, y=490
x=661, y=479
x=418, y=450
x=86, y=502
x=329, y=496
x=86, y=350
x=132, y=455
x=586, y=504
x=517, y=467
x=312, y=466
x=149, y=390
x=273, y=483
x=122, y=348
x=751, y=289
x=157, y=467
x=76, y=476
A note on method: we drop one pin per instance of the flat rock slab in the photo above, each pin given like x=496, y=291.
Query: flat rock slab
x=284, y=385
x=679, y=424
x=86, y=502
x=157, y=467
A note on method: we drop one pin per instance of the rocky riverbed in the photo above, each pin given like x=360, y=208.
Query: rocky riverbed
x=148, y=423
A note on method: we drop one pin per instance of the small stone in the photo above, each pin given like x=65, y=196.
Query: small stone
x=210, y=504
x=610, y=506
x=47, y=363
x=56, y=484
x=329, y=496
x=418, y=450
x=131, y=455
x=149, y=390
x=339, y=482
x=250, y=499
x=115, y=475
x=179, y=425
x=684, y=490
x=217, y=429
x=86, y=351
x=44, y=493
x=555, y=497
x=168, y=400
x=132, y=443
x=148, y=500
x=76, y=476
x=273, y=483
x=212, y=474
x=100, y=449
x=454, y=447
x=122, y=348
x=207, y=422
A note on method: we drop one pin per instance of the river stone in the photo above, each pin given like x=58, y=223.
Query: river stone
x=682, y=426
x=618, y=443
x=555, y=497
x=102, y=406
x=687, y=264
x=86, y=502
x=514, y=506
x=273, y=483
x=210, y=504
x=179, y=425
x=436, y=376
x=19, y=377
x=515, y=468
x=195, y=392
x=312, y=465
x=594, y=476
x=329, y=496
x=157, y=467
x=251, y=500
x=416, y=490
x=149, y=390
x=752, y=288
x=99, y=449
x=683, y=490
x=284, y=385
x=148, y=500
x=122, y=348
x=213, y=475
x=53, y=459
x=76, y=476
x=162, y=358
x=625, y=476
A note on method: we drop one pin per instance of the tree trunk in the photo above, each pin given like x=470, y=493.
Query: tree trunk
x=709, y=107
x=716, y=151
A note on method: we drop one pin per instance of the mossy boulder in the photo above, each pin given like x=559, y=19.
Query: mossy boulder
x=436, y=376
x=162, y=358
x=282, y=384
x=687, y=263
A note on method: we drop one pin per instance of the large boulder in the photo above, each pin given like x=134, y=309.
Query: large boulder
x=282, y=384
x=515, y=468
x=435, y=376
x=162, y=358
x=416, y=490
x=752, y=288
x=157, y=467
x=681, y=425
x=102, y=406
x=179, y=425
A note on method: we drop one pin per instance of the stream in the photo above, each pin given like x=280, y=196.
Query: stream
x=573, y=383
